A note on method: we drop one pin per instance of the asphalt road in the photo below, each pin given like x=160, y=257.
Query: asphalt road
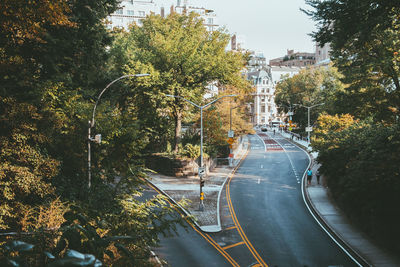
x=190, y=247
x=263, y=215
x=266, y=196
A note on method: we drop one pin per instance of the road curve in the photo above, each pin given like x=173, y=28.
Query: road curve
x=267, y=199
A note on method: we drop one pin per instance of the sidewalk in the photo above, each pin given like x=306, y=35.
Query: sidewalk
x=177, y=189
x=335, y=219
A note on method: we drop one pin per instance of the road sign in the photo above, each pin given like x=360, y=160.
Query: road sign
x=230, y=140
x=290, y=113
x=309, y=129
x=202, y=171
x=231, y=155
x=230, y=133
x=290, y=121
x=290, y=128
x=230, y=146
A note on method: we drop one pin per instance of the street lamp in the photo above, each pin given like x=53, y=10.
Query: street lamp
x=308, y=116
x=201, y=168
x=97, y=138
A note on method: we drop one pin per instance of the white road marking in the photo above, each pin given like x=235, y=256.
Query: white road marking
x=259, y=180
x=262, y=166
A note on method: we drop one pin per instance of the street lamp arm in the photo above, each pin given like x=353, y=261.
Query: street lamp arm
x=177, y=96
x=317, y=105
x=91, y=123
x=111, y=83
x=212, y=102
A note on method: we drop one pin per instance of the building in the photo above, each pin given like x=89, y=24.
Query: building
x=257, y=61
x=130, y=12
x=209, y=16
x=294, y=59
x=279, y=73
x=238, y=42
x=322, y=54
x=263, y=106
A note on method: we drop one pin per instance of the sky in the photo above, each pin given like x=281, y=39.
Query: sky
x=269, y=26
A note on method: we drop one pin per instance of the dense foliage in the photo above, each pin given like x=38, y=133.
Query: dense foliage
x=361, y=160
x=183, y=59
x=312, y=86
x=359, y=146
x=365, y=41
x=54, y=61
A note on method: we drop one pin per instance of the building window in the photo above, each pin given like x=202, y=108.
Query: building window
x=119, y=11
x=262, y=99
x=131, y=12
x=142, y=13
x=262, y=108
x=210, y=21
x=140, y=22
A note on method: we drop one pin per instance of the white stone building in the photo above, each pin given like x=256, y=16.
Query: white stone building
x=209, y=17
x=131, y=11
x=263, y=108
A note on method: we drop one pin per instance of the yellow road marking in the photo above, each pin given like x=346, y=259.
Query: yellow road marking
x=233, y=245
x=236, y=221
x=205, y=236
x=230, y=228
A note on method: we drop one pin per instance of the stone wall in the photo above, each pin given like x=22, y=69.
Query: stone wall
x=179, y=168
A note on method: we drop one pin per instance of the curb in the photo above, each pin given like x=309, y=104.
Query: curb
x=206, y=228
x=173, y=201
x=351, y=252
x=226, y=179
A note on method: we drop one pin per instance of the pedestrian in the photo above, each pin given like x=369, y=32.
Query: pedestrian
x=309, y=176
x=318, y=176
x=274, y=131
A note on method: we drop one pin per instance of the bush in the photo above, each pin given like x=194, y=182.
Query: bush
x=191, y=151
x=360, y=160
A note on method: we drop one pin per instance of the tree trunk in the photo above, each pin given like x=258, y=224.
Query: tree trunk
x=178, y=127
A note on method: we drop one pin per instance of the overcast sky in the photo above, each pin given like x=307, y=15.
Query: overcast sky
x=269, y=26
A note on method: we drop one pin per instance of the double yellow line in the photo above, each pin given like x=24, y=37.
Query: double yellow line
x=205, y=236
x=237, y=224
x=235, y=221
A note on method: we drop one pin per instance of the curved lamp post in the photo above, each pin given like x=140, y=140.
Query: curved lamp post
x=308, y=117
x=97, y=137
x=201, y=169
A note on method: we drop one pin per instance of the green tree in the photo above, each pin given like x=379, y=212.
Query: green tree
x=309, y=87
x=364, y=36
x=53, y=65
x=182, y=58
x=359, y=158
